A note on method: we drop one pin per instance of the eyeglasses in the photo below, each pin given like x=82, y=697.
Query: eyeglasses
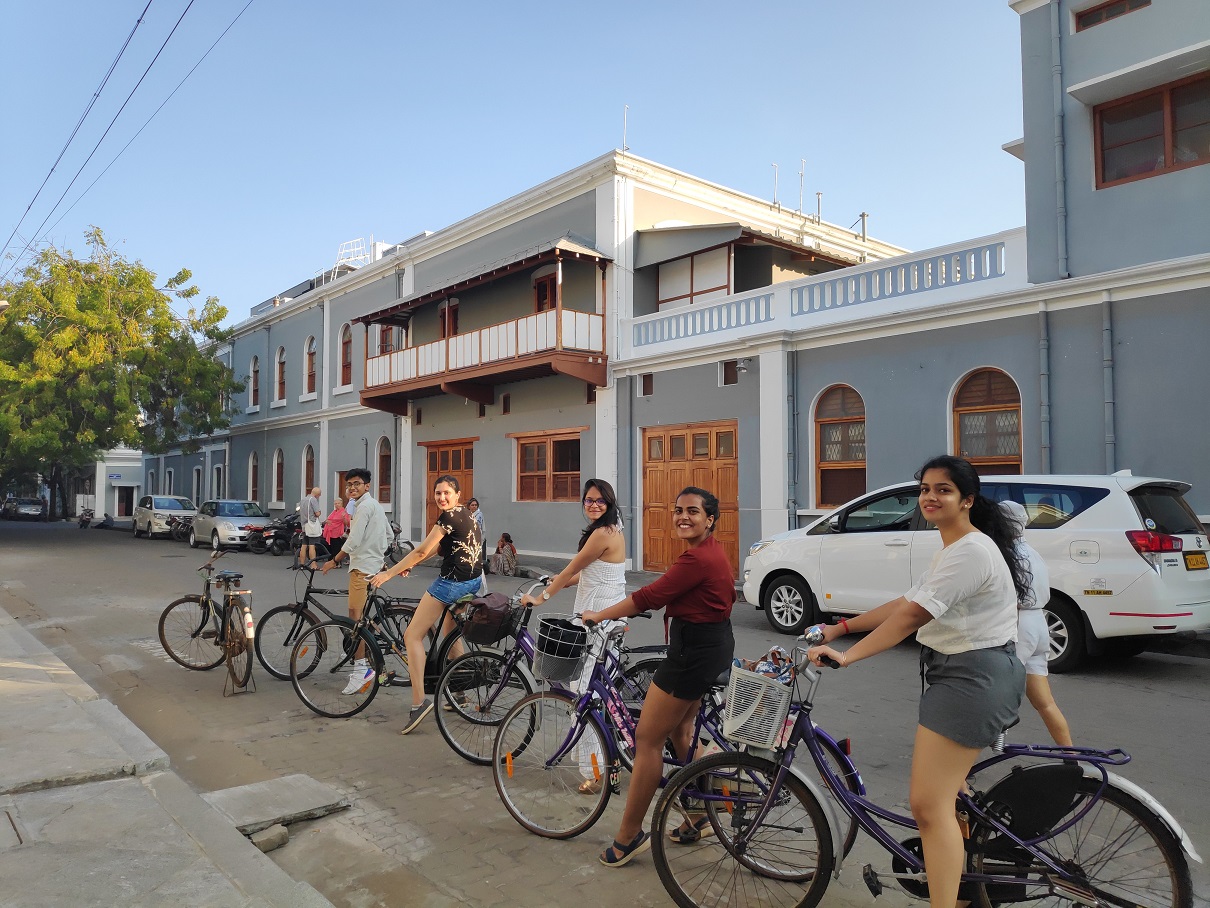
x=354, y=482
x=595, y=503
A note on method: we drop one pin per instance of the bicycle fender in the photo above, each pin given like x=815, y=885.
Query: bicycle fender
x=829, y=810
x=1143, y=796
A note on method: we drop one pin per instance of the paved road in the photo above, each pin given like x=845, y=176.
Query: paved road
x=427, y=828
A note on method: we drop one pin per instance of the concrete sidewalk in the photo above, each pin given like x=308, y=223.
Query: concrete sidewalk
x=94, y=815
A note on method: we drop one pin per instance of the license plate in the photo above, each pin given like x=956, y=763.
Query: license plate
x=1196, y=561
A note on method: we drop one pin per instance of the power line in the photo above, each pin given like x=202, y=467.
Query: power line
x=79, y=123
x=100, y=140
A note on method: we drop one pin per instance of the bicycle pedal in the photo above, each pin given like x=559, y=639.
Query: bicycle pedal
x=387, y=678
x=870, y=876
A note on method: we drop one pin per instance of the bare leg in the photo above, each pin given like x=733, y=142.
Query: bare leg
x=1037, y=689
x=427, y=613
x=662, y=715
x=939, y=770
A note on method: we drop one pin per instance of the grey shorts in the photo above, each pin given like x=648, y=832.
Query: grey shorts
x=973, y=696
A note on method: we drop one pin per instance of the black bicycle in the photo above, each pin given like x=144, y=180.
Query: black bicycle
x=199, y=632
x=282, y=626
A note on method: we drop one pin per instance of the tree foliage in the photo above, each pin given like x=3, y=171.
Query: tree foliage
x=92, y=356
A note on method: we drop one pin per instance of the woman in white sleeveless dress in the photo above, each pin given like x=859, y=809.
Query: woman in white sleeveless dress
x=599, y=574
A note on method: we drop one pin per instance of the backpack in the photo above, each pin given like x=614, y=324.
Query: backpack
x=489, y=619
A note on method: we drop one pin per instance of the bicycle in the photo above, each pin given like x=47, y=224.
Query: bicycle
x=323, y=655
x=281, y=627
x=199, y=633
x=478, y=689
x=1059, y=827
x=551, y=743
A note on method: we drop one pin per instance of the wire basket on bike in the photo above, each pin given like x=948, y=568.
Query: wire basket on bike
x=757, y=707
x=560, y=649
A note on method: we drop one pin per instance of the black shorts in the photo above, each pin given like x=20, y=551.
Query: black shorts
x=697, y=655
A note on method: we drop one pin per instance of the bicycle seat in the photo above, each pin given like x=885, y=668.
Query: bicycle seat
x=229, y=576
x=722, y=680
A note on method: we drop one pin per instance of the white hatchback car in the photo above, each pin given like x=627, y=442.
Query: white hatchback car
x=226, y=522
x=1127, y=559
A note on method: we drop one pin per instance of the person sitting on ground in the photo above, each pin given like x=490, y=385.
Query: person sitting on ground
x=505, y=560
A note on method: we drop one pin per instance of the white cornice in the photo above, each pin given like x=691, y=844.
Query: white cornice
x=1021, y=7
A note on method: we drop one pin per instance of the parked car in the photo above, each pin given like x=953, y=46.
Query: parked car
x=152, y=512
x=226, y=522
x=1127, y=559
x=24, y=509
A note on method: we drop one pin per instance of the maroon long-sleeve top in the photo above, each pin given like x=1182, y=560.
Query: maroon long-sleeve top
x=698, y=588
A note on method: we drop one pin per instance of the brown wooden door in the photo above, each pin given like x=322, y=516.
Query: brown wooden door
x=696, y=454
x=457, y=459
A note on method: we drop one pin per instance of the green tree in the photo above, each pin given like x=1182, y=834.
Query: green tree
x=93, y=356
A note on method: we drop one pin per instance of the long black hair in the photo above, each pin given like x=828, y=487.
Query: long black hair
x=610, y=518
x=986, y=516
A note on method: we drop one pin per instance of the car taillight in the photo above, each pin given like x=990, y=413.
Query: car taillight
x=1149, y=542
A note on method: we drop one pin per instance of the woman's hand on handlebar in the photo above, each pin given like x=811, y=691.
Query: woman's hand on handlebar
x=529, y=600
x=825, y=655
x=377, y=580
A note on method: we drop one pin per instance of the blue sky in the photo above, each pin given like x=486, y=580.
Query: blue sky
x=306, y=127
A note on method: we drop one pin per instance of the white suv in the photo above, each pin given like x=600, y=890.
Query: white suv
x=1127, y=559
x=152, y=512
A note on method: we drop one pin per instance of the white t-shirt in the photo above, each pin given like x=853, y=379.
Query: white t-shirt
x=969, y=591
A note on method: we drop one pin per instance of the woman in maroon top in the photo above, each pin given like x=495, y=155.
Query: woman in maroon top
x=697, y=592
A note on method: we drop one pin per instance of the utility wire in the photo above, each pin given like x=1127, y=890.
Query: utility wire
x=152, y=117
x=79, y=123
x=100, y=140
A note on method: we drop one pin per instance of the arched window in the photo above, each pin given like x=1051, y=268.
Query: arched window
x=253, y=478
x=839, y=446
x=151, y=489
x=308, y=469
x=384, y=470
x=197, y=486
x=280, y=377
x=254, y=382
x=168, y=477
x=346, y=355
x=279, y=476
x=987, y=422
x=309, y=366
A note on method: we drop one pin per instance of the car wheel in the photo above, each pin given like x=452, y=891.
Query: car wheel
x=215, y=545
x=788, y=604
x=192, y=538
x=1066, y=626
x=147, y=531
x=134, y=527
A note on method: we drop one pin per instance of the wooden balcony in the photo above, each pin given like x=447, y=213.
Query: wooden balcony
x=556, y=342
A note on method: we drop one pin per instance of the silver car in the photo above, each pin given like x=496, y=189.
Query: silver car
x=226, y=522
x=152, y=512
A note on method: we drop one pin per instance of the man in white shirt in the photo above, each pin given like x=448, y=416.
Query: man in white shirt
x=369, y=536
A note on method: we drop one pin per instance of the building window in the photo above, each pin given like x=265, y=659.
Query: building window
x=151, y=487
x=695, y=279
x=506, y=404
x=197, y=486
x=839, y=447
x=309, y=366
x=384, y=470
x=253, y=477
x=548, y=467
x=280, y=391
x=646, y=384
x=346, y=355
x=217, y=490
x=279, y=476
x=168, y=477
x=1153, y=132
x=419, y=416
x=308, y=469
x=387, y=340
x=447, y=317
x=987, y=422
x=254, y=383
x=591, y=396
x=728, y=372
x=544, y=293
x=1107, y=11
x=482, y=410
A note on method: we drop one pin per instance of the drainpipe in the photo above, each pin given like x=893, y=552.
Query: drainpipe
x=792, y=442
x=1044, y=384
x=1056, y=78
x=1107, y=372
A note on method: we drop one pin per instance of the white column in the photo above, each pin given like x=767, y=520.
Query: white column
x=403, y=495
x=774, y=442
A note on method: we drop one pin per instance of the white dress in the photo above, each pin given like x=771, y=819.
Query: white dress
x=601, y=585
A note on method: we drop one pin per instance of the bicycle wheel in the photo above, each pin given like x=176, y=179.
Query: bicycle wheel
x=634, y=683
x=277, y=632
x=544, y=752
x=321, y=669
x=1122, y=853
x=782, y=860
x=189, y=633
x=474, y=694
x=236, y=646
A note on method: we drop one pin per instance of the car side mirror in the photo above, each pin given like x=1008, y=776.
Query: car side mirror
x=834, y=525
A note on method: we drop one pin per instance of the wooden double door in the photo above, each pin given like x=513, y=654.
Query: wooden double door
x=695, y=454
x=448, y=458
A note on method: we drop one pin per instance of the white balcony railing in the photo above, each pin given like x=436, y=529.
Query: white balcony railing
x=563, y=329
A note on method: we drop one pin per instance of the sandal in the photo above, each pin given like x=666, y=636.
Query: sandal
x=618, y=854
x=692, y=831
x=590, y=787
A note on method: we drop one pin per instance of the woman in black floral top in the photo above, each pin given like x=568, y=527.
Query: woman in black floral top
x=456, y=537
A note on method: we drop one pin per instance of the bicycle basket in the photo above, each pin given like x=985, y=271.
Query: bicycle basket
x=756, y=709
x=490, y=619
x=560, y=648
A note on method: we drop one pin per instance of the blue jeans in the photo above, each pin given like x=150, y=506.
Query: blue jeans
x=450, y=591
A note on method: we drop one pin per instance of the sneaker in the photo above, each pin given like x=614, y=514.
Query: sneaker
x=416, y=715
x=361, y=677
x=459, y=702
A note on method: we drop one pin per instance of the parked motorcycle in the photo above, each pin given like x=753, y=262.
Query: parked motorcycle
x=179, y=526
x=86, y=515
x=275, y=537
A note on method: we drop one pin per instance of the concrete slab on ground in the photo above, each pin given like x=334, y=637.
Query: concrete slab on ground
x=284, y=800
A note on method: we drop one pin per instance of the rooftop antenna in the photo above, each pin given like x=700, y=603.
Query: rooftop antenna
x=818, y=207
x=802, y=168
x=775, y=202
x=625, y=113
x=863, y=217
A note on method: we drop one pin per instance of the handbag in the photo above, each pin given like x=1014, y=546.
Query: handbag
x=313, y=528
x=489, y=619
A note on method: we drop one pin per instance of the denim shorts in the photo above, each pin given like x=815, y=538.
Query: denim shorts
x=450, y=591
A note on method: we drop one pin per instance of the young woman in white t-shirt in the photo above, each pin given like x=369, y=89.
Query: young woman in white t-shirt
x=964, y=615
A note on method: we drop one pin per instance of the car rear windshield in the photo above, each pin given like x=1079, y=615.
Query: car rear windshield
x=174, y=504
x=1165, y=511
x=1048, y=506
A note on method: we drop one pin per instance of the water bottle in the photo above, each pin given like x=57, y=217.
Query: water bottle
x=249, y=626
